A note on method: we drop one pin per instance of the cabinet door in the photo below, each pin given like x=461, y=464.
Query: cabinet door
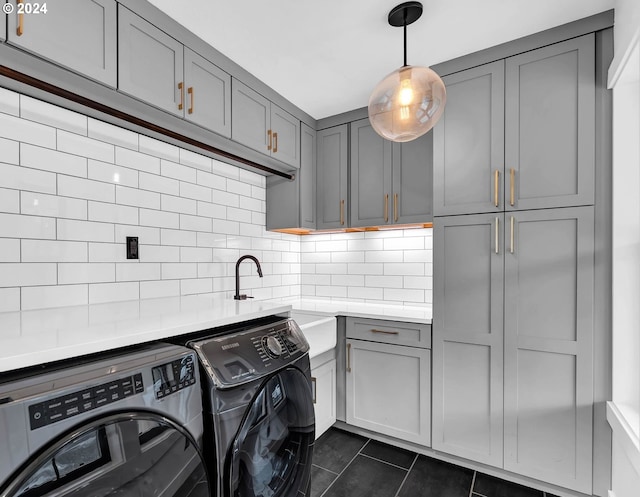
x=468, y=143
x=307, y=177
x=549, y=298
x=208, y=98
x=332, y=177
x=78, y=34
x=550, y=126
x=468, y=336
x=388, y=390
x=286, y=136
x=370, y=200
x=323, y=381
x=413, y=181
x=150, y=63
x=250, y=118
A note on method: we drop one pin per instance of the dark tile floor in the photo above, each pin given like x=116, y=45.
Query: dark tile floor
x=348, y=465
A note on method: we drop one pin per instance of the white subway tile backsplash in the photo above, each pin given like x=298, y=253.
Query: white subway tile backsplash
x=109, y=133
x=27, y=274
x=418, y=256
x=39, y=204
x=403, y=295
x=356, y=280
x=238, y=187
x=85, y=147
x=215, y=240
x=196, y=285
x=240, y=215
x=331, y=291
x=100, y=293
x=158, y=289
x=157, y=148
x=226, y=227
x=211, y=210
x=9, y=299
x=383, y=281
x=178, y=238
x=177, y=171
x=196, y=254
x=70, y=186
x=198, y=161
x=107, y=252
x=178, y=204
x=404, y=269
x=10, y=151
x=365, y=293
x=315, y=257
x=332, y=268
x=42, y=297
x=211, y=180
x=136, y=160
x=85, y=231
x=259, y=218
x=70, y=273
x=22, y=178
x=196, y=192
x=155, y=183
x=159, y=219
x=366, y=268
x=226, y=170
x=364, y=244
x=112, y=213
x=418, y=282
x=405, y=243
x=9, y=200
x=52, y=115
x=195, y=223
x=347, y=256
x=14, y=128
x=137, y=198
x=177, y=271
x=18, y=226
x=159, y=253
x=384, y=256
x=138, y=272
x=252, y=178
x=9, y=250
x=225, y=198
x=111, y=173
x=146, y=235
x=9, y=102
x=53, y=251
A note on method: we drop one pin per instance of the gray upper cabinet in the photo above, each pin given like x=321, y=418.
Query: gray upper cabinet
x=78, y=34
x=391, y=183
x=208, y=94
x=332, y=177
x=3, y=29
x=291, y=205
x=549, y=330
x=550, y=126
x=150, y=63
x=263, y=126
x=468, y=265
x=468, y=143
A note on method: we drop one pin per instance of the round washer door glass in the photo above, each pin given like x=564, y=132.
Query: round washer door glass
x=271, y=455
x=124, y=455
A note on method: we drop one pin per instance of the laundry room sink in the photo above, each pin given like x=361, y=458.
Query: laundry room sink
x=320, y=331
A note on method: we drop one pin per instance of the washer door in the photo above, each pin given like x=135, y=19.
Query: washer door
x=128, y=454
x=271, y=455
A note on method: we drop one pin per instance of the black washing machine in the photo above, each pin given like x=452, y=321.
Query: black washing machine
x=126, y=425
x=259, y=409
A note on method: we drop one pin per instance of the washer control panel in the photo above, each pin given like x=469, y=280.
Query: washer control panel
x=173, y=376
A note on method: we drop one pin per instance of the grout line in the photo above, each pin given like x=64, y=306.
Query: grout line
x=473, y=483
x=325, y=469
x=384, y=462
x=479, y=495
x=345, y=468
x=415, y=459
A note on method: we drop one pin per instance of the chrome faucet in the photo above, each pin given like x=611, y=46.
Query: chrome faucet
x=237, y=296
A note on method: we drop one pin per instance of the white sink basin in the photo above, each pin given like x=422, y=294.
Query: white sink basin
x=320, y=331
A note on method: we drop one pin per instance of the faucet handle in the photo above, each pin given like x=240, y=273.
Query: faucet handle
x=242, y=297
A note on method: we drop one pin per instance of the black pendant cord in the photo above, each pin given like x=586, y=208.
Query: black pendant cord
x=405, y=43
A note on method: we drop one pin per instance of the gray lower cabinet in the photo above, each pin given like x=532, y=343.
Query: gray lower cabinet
x=78, y=34
x=391, y=183
x=388, y=385
x=323, y=385
x=263, y=126
x=291, y=204
x=332, y=176
x=468, y=266
x=518, y=133
x=513, y=342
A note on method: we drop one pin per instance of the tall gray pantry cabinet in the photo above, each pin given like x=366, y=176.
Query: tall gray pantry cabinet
x=513, y=327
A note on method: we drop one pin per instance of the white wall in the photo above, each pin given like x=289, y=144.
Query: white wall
x=72, y=188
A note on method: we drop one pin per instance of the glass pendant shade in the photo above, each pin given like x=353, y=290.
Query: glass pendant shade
x=407, y=103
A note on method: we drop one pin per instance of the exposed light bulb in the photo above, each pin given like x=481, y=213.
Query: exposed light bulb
x=405, y=96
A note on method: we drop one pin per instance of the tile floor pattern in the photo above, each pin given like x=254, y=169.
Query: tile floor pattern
x=349, y=465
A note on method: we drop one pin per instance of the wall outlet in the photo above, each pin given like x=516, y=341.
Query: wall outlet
x=132, y=247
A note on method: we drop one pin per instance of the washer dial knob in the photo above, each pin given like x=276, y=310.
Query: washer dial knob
x=272, y=346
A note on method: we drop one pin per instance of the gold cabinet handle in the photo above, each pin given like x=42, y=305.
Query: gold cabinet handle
x=181, y=88
x=270, y=139
x=386, y=208
x=190, y=92
x=395, y=207
x=348, y=358
x=385, y=332
x=512, y=182
x=314, y=389
x=275, y=142
x=497, y=235
x=341, y=212
x=512, y=228
x=20, y=28
x=496, y=188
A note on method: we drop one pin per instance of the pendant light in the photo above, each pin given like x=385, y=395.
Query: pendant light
x=409, y=101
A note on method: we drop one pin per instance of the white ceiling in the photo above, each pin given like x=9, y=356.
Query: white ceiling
x=326, y=56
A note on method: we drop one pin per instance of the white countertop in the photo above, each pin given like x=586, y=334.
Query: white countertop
x=29, y=338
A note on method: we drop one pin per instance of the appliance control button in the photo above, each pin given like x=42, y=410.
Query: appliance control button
x=272, y=346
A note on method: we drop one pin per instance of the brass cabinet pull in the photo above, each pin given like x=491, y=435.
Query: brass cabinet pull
x=497, y=235
x=386, y=208
x=395, y=207
x=341, y=212
x=348, y=358
x=385, y=332
x=512, y=181
x=275, y=142
x=496, y=187
x=20, y=28
x=512, y=226
x=270, y=139
x=181, y=88
x=190, y=92
x=314, y=389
